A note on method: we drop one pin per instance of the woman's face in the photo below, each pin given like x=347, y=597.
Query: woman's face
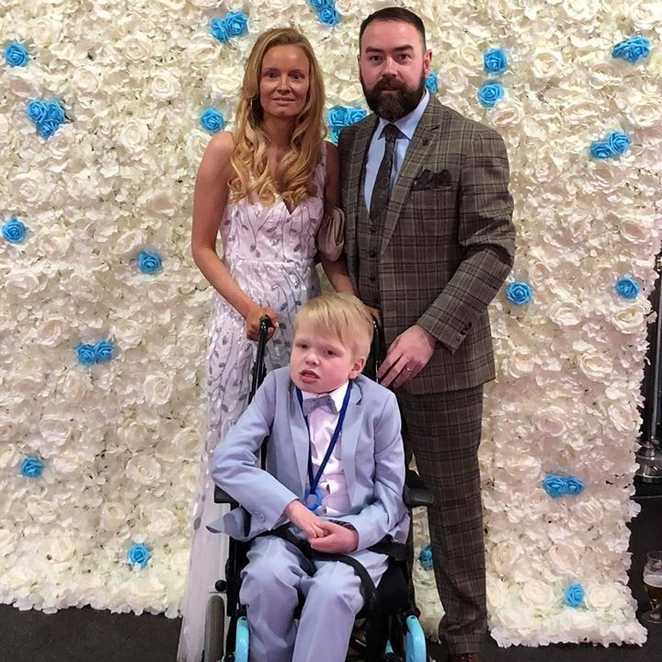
x=284, y=81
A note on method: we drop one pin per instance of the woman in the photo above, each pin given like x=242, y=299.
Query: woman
x=266, y=187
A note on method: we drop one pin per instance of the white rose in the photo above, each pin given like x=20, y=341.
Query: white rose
x=165, y=86
x=143, y=469
x=134, y=136
x=203, y=51
x=551, y=421
x=595, y=365
x=8, y=456
x=5, y=135
x=49, y=333
x=129, y=242
x=538, y=593
x=204, y=4
x=137, y=47
x=160, y=202
x=128, y=333
x=565, y=314
x=32, y=188
x=563, y=557
x=602, y=596
x=24, y=83
x=162, y=522
x=59, y=548
x=86, y=80
x=76, y=384
x=22, y=283
x=158, y=388
x=7, y=542
x=225, y=82
x=546, y=63
x=55, y=430
x=113, y=516
x=46, y=29
x=624, y=418
x=636, y=230
x=629, y=320
x=583, y=11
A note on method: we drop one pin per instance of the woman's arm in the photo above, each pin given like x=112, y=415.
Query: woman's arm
x=336, y=271
x=209, y=200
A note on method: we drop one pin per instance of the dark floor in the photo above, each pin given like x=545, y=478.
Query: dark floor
x=86, y=635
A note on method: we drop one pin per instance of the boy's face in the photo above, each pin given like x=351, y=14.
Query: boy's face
x=320, y=363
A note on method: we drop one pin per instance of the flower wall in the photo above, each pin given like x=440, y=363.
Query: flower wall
x=105, y=110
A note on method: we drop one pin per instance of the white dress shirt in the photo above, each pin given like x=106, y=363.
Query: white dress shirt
x=322, y=423
x=407, y=126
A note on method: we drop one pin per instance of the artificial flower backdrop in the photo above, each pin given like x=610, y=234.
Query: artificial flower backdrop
x=107, y=106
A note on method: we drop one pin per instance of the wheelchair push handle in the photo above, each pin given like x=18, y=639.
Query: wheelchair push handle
x=259, y=371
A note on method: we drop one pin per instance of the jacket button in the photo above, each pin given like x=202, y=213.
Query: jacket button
x=372, y=253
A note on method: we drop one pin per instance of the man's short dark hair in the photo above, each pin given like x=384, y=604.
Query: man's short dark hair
x=394, y=14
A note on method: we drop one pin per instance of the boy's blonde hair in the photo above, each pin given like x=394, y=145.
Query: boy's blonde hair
x=340, y=315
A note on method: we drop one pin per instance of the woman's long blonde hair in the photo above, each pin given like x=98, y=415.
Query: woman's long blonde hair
x=294, y=180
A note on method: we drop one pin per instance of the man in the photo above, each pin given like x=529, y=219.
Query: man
x=429, y=241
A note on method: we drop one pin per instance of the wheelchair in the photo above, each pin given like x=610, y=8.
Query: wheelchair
x=386, y=630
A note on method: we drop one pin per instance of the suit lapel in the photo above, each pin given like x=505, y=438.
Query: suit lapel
x=358, y=155
x=299, y=435
x=349, y=439
x=427, y=132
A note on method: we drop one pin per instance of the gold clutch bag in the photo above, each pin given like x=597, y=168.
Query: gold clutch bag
x=331, y=234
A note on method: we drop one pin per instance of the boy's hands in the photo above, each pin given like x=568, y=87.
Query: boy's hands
x=304, y=519
x=335, y=539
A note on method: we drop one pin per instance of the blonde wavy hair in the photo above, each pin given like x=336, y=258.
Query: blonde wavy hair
x=294, y=180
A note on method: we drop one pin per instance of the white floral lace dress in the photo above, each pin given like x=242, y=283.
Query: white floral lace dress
x=271, y=254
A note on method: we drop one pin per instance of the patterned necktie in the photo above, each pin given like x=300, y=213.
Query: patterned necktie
x=382, y=190
x=326, y=401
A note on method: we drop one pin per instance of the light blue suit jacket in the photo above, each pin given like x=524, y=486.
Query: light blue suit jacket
x=372, y=460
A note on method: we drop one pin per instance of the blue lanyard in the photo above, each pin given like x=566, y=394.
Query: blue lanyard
x=313, y=480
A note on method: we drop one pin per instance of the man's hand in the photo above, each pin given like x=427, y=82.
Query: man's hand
x=305, y=520
x=406, y=357
x=337, y=539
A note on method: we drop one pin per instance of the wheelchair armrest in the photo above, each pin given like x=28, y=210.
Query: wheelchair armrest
x=220, y=496
x=415, y=493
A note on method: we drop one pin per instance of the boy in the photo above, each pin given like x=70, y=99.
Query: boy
x=335, y=458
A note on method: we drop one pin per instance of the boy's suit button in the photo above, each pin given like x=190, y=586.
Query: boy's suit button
x=373, y=229
x=372, y=278
x=372, y=254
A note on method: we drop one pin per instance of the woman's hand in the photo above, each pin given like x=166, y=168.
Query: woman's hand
x=254, y=315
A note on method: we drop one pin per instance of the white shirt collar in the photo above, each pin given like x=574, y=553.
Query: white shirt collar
x=408, y=123
x=337, y=395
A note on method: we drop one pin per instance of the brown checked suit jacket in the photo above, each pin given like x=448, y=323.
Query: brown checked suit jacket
x=447, y=243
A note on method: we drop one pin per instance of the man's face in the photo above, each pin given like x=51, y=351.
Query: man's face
x=393, y=66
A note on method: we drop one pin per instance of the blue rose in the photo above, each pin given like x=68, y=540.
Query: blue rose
x=619, y=142
x=519, y=293
x=425, y=557
x=55, y=112
x=627, y=288
x=103, y=351
x=16, y=55
x=318, y=4
x=219, y=30
x=47, y=128
x=86, y=354
x=495, y=61
x=574, y=595
x=149, y=262
x=139, y=555
x=236, y=23
x=573, y=486
x=554, y=485
x=632, y=49
x=14, y=231
x=356, y=115
x=32, y=467
x=601, y=149
x=432, y=83
x=338, y=116
x=490, y=93
x=329, y=15
x=36, y=110
x=212, y=120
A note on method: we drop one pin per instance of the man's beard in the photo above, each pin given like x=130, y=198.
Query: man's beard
x=393, y=105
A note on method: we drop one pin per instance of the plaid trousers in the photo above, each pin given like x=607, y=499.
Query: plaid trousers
x=442, y=430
